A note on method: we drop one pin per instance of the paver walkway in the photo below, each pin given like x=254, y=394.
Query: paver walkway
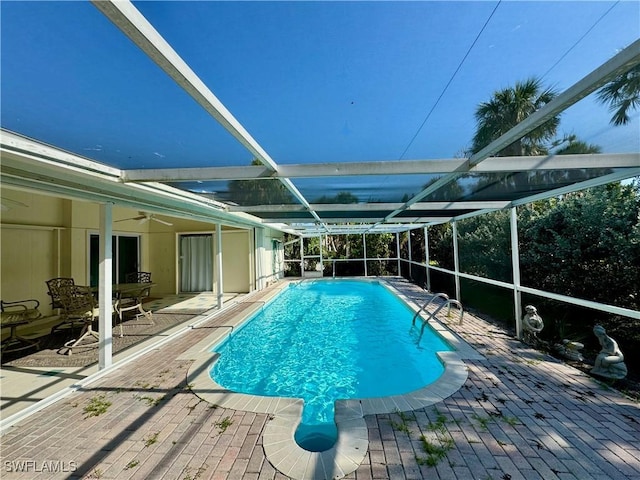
x=520, y=415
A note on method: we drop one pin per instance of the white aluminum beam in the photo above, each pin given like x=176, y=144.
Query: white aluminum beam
x=372, y=207
x=594, y=182
x=327, y=220
x=403, y=167
x=219, y=267
x=603, y=307
x=456, y=260
x=53, y=156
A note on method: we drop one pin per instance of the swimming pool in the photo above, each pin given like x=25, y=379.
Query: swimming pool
x=326, y=340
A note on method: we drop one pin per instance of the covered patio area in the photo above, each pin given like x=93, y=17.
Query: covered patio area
x=31, y=377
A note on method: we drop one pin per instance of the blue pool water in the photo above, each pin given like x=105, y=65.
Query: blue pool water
x=326, y=340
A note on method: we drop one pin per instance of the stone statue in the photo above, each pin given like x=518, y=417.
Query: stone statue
x=532, y=324
x=570, y=350
x=610, y=361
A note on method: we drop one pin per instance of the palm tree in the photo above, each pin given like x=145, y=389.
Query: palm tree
x=622, y=94
x=575, y=145
x=506, y=109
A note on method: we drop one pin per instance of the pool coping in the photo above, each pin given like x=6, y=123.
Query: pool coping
x=351, y=446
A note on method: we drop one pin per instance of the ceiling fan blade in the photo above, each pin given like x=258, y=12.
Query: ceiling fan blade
x=8, y=204
x=161, y=221
x=142, y=217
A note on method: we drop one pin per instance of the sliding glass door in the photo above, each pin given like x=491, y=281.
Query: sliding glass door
x=196, y=263
x=126, y=257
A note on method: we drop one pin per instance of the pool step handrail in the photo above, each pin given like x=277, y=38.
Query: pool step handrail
x=457, y=304
x=447, y=303
x=444, y=296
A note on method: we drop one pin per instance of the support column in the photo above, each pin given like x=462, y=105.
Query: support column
x=321, y=264
x=302, y=257
x=410, y=257
x=456, y=263
x=105, y=289
x=515, y=262
x=364, y=244
x=426, y=259
x=259, y=256
x=220, y=282
x=398, y=252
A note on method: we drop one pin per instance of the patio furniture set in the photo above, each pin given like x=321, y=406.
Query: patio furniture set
x=78, y=306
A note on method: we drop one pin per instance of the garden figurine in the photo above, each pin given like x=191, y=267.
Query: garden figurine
x=610, y=361
x=532, y=324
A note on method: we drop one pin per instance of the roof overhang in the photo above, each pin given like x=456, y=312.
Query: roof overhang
x=31, y=165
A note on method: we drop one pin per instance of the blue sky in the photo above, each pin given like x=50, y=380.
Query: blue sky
x=310, y=81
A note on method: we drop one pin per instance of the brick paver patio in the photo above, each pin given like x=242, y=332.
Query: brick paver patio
x=520, y=415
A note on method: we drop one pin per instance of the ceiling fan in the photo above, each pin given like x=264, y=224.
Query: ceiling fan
x=8, y=204
x=144, y=217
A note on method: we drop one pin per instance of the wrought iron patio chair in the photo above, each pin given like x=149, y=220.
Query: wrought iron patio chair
x=79, y=304
x=138, y=277
x=13, y=315
x=54, y=285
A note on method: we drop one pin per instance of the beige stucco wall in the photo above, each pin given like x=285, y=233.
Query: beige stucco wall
x=236, y=269
x=49, y=237
x=31, y=244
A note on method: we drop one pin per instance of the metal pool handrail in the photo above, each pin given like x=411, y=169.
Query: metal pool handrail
x=444, y=296
x=457, y=304
x=447, y=303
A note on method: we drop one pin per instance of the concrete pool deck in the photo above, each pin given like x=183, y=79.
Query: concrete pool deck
x=520, y=414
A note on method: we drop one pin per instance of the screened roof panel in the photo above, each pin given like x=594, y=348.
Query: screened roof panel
x=308, y=113
x=361, y=188
x=71, y=79
x=354, y=81
x=578, y=123
x=284, y=216
x=432, y=213
x=513, y=186
x=241, y=192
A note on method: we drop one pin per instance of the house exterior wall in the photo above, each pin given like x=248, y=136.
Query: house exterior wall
x=236, y=261
x=32, y=245
x=48, y=237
